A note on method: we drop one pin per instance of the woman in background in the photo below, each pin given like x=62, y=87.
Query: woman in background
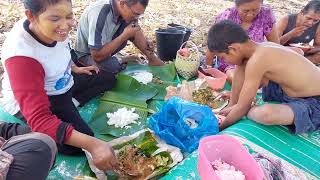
x=257, y=20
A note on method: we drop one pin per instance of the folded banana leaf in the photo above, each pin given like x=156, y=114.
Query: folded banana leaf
x=145, y=141
x=99, y=120
x=129, y=91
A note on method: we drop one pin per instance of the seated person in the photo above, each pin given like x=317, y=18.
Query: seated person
x=104, y=30
x=303, y=28
x=40, y=80
x=23, y=154
x=288, y=78
x=257, y=20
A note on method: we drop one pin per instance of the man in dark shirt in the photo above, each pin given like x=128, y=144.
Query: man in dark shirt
x=303, y=28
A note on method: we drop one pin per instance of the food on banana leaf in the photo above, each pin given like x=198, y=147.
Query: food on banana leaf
x=144, y=77
x=157, y=80
x=209, y=97
x=202, y=96
x=122, y=117
x=141, y=152
x=214, y=104
x=301, y=45
x=134, y=164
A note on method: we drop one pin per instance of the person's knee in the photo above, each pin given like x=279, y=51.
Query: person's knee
x=46, y=145
x=34, y=155
x=261, y=114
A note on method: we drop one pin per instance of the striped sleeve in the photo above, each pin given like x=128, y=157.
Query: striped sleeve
x=96, y=24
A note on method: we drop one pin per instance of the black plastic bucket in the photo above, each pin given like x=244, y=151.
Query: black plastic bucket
x=180, y=27
x=168, y=42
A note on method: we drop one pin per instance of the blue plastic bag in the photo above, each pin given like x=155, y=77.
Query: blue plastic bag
x=183, y=124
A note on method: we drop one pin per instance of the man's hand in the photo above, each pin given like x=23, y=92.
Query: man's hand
x=103, y=156
x=85, y=70
x=313, y=50
x=150, y=46
x=131, y=30
x=225, y=111
x=297, y=31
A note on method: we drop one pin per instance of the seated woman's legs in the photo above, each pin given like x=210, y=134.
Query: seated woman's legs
x=34, y=153
x=87, y=87
x=63, y=107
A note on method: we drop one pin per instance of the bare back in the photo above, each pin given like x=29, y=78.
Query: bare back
x=297, y=76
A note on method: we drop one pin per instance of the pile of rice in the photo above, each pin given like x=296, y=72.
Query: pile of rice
x=122, y=117
x=144, y=77
x=226, y=171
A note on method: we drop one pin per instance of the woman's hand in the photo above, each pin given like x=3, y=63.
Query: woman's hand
x=85, y=70
x=103, y=156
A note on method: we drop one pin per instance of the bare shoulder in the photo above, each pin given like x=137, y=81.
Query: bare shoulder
x=258, y=59
x=263, y=56
x=284, y=19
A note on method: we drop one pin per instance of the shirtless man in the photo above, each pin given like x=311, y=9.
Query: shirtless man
x=288, y=78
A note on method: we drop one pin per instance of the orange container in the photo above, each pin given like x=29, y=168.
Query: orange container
x=216, y=80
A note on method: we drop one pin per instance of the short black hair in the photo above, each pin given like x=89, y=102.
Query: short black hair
x=313, y=5
x=133, y=2
x=39, y=6
x=239, y=2
x=222, y=34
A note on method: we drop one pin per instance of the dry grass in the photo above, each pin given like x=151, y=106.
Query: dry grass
x=197, y=14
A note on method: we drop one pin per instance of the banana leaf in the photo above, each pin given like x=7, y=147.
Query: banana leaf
x=165, y=73
x=145, y=141
x=155, y=105
x=162, y=92
x=99, y=120
x=129, y=91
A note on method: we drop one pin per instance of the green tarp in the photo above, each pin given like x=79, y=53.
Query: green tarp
x=302, y=151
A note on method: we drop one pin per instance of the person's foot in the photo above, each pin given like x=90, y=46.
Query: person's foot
x=134, y=59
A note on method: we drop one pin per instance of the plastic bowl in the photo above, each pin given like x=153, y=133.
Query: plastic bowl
x=217, y=79
x=229, y=150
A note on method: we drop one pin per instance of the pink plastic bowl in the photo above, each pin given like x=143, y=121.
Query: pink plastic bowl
x=229, y=150
x=217, y=79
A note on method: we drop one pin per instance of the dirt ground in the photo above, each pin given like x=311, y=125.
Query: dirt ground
x=196, y=14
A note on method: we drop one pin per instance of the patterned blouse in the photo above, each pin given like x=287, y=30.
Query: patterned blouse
x=260, y=27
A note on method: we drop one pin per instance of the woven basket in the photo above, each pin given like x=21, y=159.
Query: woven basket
x=187, y=67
